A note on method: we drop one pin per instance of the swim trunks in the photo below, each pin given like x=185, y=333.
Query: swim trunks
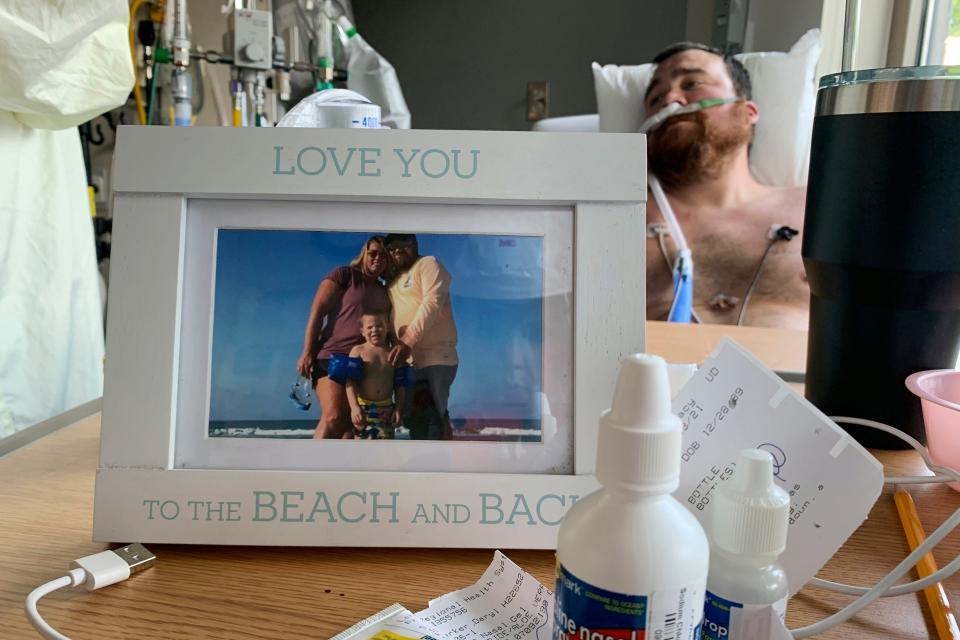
x=379, y=415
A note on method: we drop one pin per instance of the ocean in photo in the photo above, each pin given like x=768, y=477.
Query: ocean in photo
x=472, y=429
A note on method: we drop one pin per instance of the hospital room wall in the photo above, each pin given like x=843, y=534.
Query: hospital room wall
x=887, y=36
x=466, y=64
x=775, y=25
x=772, y=25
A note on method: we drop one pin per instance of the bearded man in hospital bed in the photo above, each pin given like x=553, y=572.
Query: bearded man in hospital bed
x=701, y=159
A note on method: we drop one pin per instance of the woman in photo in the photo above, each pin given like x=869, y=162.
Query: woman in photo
x=334, y=327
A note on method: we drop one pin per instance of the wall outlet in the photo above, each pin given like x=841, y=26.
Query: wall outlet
x=538, y=100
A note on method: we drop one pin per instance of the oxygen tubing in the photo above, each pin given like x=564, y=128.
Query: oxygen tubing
x=681, y=309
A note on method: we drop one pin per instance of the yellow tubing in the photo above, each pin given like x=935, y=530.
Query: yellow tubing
x=137, y=97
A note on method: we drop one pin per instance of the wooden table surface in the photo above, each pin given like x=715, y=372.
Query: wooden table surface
x=46, y=511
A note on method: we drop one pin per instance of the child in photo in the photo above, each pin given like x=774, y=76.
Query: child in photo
x=375, y=399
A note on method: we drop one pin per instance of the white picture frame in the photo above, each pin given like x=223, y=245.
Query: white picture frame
x=583, y=194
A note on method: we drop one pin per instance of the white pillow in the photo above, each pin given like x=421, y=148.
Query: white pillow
x=784, y=89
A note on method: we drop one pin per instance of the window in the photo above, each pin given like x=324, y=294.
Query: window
x=940, y=33
x=951, y=44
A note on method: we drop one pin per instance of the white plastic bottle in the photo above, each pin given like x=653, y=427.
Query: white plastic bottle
x=371, y=75
x=748, y=534
x=631, y=560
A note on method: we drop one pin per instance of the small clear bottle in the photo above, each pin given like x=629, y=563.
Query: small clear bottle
x=631, y=560
x=748, y=534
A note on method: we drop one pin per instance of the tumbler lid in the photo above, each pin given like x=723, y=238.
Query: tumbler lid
x=892, y=74
x=893, y=90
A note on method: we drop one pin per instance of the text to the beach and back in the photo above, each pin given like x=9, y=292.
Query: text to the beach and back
x=374, y=507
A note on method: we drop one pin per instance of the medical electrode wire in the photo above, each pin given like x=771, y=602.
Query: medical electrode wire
x=753, y=283
x=884, y=587
x=777, y=233
x=878, y=590
x=951, y=476
x=900, y=590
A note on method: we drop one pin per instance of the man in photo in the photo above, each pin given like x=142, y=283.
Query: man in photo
x=426, y=336
x=374, y=409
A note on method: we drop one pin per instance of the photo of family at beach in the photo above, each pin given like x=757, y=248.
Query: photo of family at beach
x=377, y=336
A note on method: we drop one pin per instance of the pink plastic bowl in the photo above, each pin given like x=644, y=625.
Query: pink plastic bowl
x=939, y=393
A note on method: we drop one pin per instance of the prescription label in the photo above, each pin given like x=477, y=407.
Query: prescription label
x=728, y=620
x=583, y=610
x=734, y=402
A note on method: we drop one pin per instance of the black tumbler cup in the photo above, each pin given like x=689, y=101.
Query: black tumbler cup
x=881, y=243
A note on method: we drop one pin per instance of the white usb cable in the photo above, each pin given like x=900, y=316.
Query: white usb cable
x=94, y=571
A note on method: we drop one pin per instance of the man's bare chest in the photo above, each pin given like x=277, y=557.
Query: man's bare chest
x=727, y=254
x=727, y=257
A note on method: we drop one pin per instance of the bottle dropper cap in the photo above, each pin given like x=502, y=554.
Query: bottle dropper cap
x=638, y=445
x=750, y=512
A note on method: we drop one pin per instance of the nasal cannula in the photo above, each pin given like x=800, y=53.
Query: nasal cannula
x=676, y=109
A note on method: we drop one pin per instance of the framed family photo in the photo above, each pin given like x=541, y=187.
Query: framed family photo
x=351, y=337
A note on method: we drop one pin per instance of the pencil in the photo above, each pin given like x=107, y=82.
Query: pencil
x=943, y=618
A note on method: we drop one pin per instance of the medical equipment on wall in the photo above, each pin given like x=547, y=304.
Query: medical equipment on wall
x=279, y=52
x=369, y=74
x=260, y=68
x=175, y=52
x=880, y=242
x=249, y=40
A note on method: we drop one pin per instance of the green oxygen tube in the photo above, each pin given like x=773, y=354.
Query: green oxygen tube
x=681, y=308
